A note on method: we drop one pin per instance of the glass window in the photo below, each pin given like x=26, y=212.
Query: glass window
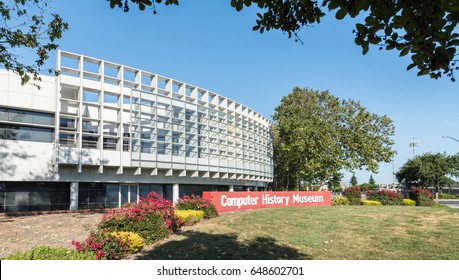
x=42, y=135
x=162, y=149
x=67, y=123
x=23, y=133
x=110, y=144
x=3, y=114
x=40, y=118
x=18, y=116
x=145, y=147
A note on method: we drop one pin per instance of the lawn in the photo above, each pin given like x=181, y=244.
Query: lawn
x=319, y=233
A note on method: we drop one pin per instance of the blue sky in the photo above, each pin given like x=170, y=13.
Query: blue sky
x=208, y=44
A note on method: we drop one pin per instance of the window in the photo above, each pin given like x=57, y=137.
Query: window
x=175, y=150
x=110, y=144
x=162, y=149
x=25, y=133
x=66, y=123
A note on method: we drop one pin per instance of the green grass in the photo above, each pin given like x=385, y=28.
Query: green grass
x=319, y=233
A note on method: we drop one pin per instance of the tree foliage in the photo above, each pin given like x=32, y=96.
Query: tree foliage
x=316, y=135
x=427, y=30
x=353, y=180
x=26, y=25
x=429, y=170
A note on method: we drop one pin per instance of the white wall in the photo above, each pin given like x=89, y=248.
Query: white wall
x=25, y=161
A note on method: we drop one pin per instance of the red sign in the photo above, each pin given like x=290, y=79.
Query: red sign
x=232, y=201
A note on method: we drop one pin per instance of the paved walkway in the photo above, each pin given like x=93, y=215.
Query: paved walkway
x=453, y=203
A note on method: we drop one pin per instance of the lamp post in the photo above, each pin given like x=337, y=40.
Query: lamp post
x=413, y=144
x=450, y=138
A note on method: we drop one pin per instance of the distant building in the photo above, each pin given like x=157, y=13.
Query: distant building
x=102, y=134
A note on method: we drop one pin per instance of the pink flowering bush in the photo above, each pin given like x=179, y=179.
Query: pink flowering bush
x=105, y=244
x=353, y=195
x=386, y=197
x=421, y=196
x=196, y=202
x=152, y=218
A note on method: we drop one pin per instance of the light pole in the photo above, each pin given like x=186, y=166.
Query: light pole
x=413, y=144
x=450, y=138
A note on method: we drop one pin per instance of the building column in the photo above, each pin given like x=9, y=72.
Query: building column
x=175, y=193
x=255, y=189
x=231, y=188
x=74, y=188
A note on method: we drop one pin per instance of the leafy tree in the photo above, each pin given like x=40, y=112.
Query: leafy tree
x=335, y=181
x=353, y=181
x=316, y=135
x=371, y=181
x=427, y=30
x=429, y=170
x=24, y=27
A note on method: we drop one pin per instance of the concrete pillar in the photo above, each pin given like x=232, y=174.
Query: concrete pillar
x=255, y=189
x=231, y=188
x=74, y=188
x=175, y=193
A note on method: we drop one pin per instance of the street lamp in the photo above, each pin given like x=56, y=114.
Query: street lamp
x=450, y=138
x=413, y=144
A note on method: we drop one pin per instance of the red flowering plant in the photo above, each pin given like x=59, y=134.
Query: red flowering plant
x=196, y=202
x=353, y=195
x=106, y=245
x=386, y=197
x=422, y=197
x=152, y=218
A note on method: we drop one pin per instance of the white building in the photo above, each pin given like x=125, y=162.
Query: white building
x=102, y=134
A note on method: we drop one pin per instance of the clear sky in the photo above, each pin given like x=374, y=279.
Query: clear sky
x=208, y=44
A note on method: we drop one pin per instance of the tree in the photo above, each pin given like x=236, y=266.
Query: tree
x=427, y=30
x=429, y=170
x=316, y=135
x=335, y=182
x=371, y=181
x=353, y=181
x=24, y=27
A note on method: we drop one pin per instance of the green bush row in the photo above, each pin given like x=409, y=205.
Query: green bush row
x=53, y=253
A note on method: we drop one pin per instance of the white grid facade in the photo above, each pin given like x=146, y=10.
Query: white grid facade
x=111, y=115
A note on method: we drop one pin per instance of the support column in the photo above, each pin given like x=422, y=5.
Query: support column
x=175, y=193
x=74, y=188
x=231, y=188
x=255, y=189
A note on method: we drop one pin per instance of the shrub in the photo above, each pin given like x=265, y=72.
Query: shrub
x=195, y=202
x=152, y=218
x=409, y=202
x=132, y=239
x=447, y=196
x=53, y=253
x=339, y=200
x=189, y=217
x=353, y=195
x=386, y=197
x=421, y=196
x=105, y=244
x=370, y=202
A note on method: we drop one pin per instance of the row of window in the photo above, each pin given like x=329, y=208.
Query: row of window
x=26, y=133
x=21, y=116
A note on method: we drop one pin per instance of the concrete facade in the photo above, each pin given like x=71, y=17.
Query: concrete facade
x=109, y=133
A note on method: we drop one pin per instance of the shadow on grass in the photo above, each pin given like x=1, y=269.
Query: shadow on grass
x=204, y=246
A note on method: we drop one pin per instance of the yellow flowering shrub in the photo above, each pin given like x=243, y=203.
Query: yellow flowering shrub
x=134, y=240
x=409, y=202
x=370, y=202
x=189, y=217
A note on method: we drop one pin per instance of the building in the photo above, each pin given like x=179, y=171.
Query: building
x=102, y=134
